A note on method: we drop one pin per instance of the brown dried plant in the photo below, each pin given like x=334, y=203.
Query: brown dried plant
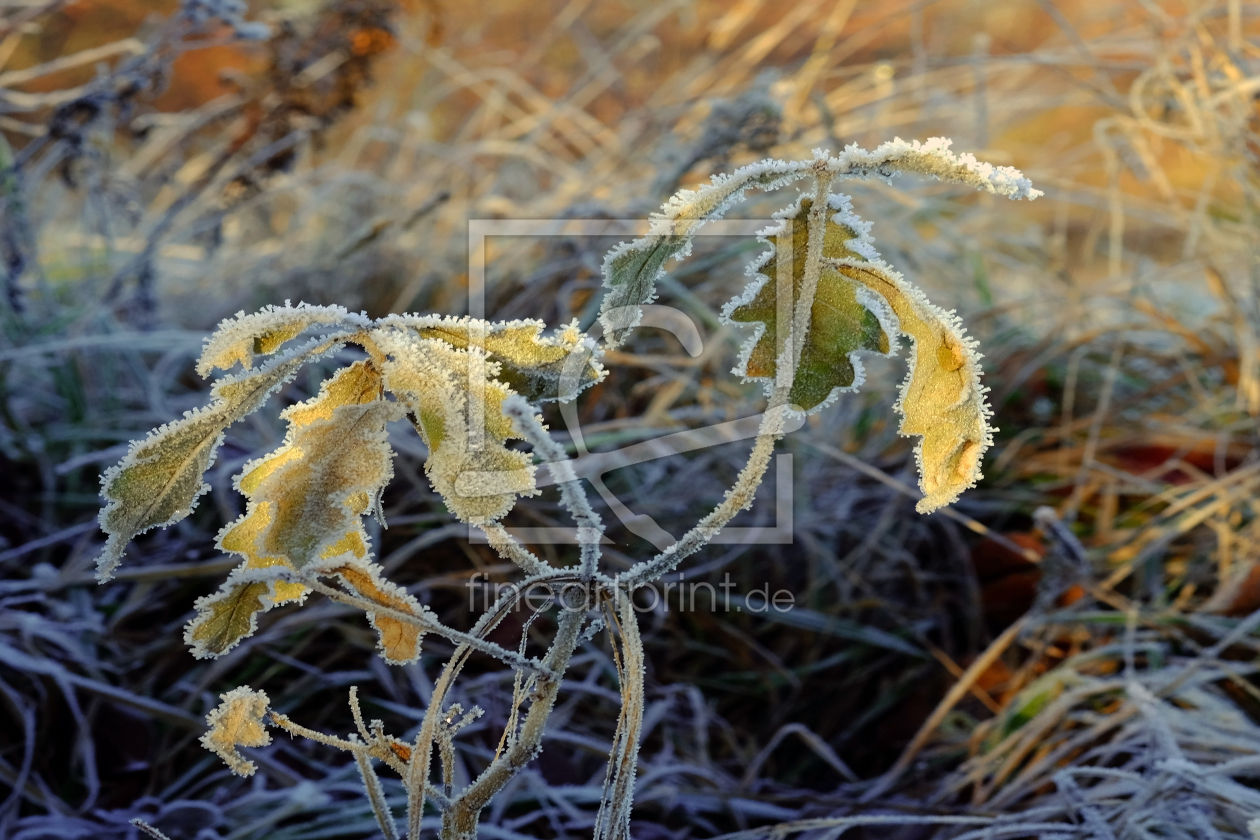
x=819, y=298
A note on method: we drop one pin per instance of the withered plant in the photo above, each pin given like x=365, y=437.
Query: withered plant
x=819, y=299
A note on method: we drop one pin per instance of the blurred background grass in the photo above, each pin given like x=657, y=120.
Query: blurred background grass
x=166, y=165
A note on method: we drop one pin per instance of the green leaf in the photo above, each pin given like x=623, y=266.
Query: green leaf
x=631, y=274
x=632, y=268
x=841, y=324
x=1030, y=702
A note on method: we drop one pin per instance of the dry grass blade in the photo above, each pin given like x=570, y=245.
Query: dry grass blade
x=956, y=693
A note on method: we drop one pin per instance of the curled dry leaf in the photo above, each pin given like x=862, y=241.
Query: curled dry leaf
x=237, y=722
x=942, y=399
x=264, y=332
x=476, y=474
x=306, y=502
x=160, y=479
x=399, y=640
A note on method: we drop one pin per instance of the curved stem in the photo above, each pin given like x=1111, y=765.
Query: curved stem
x=741, y=495
x=590, y=528
x=613, y=820
x=288, y=725
x=459, y=822
x=509, y=548
x=376, y=795
x=429, y=625
x=417, y=778
x=804, y=304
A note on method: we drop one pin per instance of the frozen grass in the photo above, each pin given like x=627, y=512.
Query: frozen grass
x=1113, y=697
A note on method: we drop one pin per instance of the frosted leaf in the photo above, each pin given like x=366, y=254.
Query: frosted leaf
x=306, y=501
x=399, y=641
x=942, y=400
x=227, y=616
x=632, y=269
x=240, y=338
x=242, y=536
x=538, y=367
x=933, y=158
x=841, y=324
x=317, y=485
x=476, y=474
x=159, y=480
x=237, y=722
x=860, y=302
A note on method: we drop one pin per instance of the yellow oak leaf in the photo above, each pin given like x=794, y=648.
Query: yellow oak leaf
x=942, y=400
x=538, y=367
x=306, y=502
x=237, y=722
x=469, y=464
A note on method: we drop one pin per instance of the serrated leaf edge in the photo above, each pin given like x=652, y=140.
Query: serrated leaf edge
x=864, y=245
x=240, y=576
x=247, y=326
x=554, y=338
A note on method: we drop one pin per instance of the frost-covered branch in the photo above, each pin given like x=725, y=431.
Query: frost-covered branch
x=589, y=527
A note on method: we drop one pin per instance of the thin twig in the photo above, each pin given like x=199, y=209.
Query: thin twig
x=429, y=625
x=590, y=528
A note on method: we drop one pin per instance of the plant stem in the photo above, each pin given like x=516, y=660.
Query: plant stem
x=417, y=778
x=459, y=822
x=613, y=820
